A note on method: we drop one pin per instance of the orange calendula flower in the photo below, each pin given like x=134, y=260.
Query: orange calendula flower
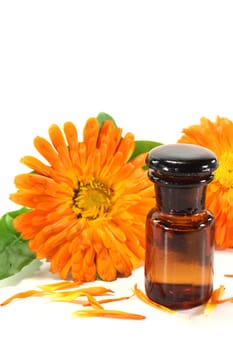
x=217, y=136
x=88, y=202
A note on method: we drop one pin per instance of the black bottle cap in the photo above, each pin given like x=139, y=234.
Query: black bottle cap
x=181, y=162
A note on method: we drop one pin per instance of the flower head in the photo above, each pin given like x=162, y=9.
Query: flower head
x=217, y=136
x=88, y=202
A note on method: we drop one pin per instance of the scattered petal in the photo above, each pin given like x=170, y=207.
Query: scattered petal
x=221, y=301
x=96, y=290
x=143, y=297
x=108, y=314
x=104, y=301
x=22, y=295
x=213, y=300
x=60, y=285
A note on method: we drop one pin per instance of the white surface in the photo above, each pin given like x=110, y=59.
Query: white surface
x=37, y=322
x=156, y=67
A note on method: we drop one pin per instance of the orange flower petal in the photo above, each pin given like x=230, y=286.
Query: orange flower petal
x=221, y=301
x=90, y=134
x=48, y=152
x=97, y=290
x=213, y=300
x=103, y=301
x=36, y=165
x=59, y=285
x=143, y=297
x=71, y=296
x=22, y=295
x=105, y=267
x=60, y=260
x=83, y=266
x=108, y=314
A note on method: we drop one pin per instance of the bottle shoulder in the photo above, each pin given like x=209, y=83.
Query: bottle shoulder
x=202, y=218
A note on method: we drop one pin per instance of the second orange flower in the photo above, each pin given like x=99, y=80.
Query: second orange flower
x=217, y=136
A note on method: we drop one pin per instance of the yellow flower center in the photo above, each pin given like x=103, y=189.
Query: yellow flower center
x=224, y=173
x=92, y=200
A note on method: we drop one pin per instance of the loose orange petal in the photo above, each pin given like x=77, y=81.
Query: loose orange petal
x=228, y=275
x=221, y=301
x=72, y=295
x=143, y=297
x=213, y=300
x=108, y=314
x=102, y=301
x=60, y=285
x=93, y=302
x=96, y=291
x=22, y=295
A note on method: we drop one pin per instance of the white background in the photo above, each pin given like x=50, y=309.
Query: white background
x=156, y=67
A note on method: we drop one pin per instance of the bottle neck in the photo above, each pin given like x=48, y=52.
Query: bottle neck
x=181, y=200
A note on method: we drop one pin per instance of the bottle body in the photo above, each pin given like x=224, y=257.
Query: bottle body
x=179, y=230
x=179, y=258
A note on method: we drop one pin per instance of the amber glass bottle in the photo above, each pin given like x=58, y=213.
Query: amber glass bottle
x=179, y=230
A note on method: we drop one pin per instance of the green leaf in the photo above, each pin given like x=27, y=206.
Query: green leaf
x=26, y=272
x=102, y=117
x=14, y=251
x=6, y=221
x=143, y=147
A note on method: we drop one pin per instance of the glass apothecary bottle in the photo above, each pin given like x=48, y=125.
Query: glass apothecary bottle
x=179, y=230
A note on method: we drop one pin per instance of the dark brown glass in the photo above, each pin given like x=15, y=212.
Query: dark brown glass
x=179, y=230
